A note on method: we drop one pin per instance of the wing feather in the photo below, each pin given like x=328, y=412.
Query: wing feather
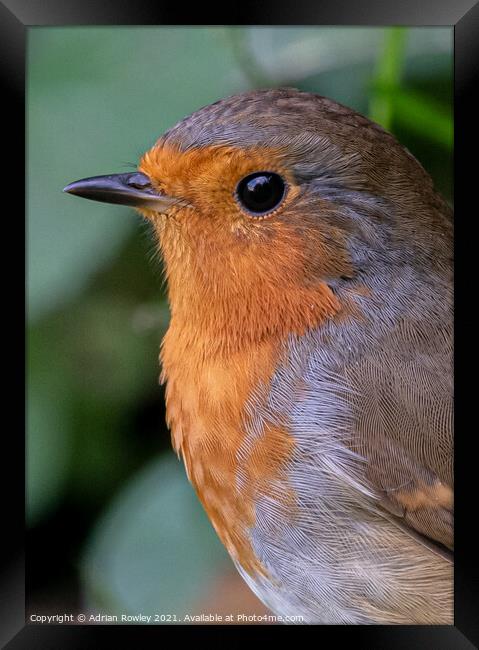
x=405, y=428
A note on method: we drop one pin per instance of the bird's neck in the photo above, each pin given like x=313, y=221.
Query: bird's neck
x=218, y=310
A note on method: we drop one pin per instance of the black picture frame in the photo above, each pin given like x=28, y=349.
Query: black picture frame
x=16, y=18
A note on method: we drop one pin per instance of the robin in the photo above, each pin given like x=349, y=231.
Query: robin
x=308, y=360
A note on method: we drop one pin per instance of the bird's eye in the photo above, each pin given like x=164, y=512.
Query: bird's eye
x=260, y=193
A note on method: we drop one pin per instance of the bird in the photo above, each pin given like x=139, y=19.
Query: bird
x=308, y=358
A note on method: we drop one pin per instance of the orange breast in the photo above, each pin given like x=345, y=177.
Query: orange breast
x=206, y=412
x=213, y=365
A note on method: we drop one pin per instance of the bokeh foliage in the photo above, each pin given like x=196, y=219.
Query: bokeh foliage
x=97, y=98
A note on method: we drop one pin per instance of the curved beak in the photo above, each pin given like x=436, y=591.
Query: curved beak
x=133, y=189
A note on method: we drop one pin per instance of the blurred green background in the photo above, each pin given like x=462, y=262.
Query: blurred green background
x=113, y=524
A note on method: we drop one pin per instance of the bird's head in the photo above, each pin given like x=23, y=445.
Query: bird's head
x=263, y=203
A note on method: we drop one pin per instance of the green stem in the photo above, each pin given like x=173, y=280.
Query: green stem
x=388, y=73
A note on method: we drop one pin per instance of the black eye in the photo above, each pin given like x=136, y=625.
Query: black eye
x=260, y=192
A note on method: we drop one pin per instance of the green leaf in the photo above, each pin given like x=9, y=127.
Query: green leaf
x=48, y=440
x=154, y=551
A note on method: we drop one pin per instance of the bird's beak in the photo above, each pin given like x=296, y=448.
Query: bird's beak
x=133, y=189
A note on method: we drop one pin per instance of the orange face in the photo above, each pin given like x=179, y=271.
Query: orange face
x=264, y=274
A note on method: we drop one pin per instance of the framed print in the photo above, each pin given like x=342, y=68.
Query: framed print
x=265, y=278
